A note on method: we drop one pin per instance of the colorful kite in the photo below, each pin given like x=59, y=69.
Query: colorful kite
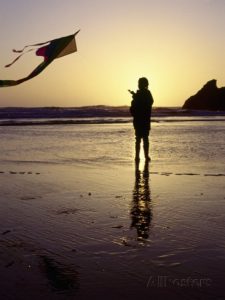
x=50, y=50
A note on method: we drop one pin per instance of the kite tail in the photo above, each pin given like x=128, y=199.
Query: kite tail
x=22, y=52
x=18, y=57
x=34, y=45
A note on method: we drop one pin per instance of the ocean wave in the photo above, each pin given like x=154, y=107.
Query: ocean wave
x=20, y=116
x=40, y=122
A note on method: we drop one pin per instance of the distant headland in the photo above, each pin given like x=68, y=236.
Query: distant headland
x=209, y=97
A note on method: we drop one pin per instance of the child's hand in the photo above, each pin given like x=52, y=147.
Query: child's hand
x=132, y=92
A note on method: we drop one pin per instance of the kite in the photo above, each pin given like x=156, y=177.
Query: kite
x=50, y=50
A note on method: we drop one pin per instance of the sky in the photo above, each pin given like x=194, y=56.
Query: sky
x=178, y=45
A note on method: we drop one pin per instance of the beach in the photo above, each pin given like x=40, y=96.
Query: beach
x=80, y=220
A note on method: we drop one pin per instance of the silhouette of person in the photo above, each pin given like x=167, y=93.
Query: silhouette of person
x=141, y=109
x=140, y=213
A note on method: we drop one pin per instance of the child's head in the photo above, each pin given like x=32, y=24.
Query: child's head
x=143, y=83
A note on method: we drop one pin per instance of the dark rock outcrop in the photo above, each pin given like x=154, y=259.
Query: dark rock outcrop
x=210, y=97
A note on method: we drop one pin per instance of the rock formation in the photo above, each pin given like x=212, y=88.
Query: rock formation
x=210, y=97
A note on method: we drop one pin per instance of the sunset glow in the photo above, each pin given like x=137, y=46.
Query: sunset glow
x=178, y=45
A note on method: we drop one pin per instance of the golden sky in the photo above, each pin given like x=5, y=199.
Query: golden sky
x=178, y=45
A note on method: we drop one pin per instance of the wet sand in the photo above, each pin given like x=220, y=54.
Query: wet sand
x=99, y=232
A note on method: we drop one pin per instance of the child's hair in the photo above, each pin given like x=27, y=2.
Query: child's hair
x=143, y=83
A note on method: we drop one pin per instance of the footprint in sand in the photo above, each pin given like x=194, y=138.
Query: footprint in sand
x=117, y=226
x=21, y=173
x=5, y=232
x=166, y=173
x=27, y=198
x=10, y=264
x=214, y=175
x=67, y=211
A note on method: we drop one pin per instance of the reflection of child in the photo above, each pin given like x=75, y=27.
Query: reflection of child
x=141, y=108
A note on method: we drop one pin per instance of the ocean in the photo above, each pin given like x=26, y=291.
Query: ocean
x=104, y=135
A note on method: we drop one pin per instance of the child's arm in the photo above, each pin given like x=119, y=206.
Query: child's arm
x=132, y=92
